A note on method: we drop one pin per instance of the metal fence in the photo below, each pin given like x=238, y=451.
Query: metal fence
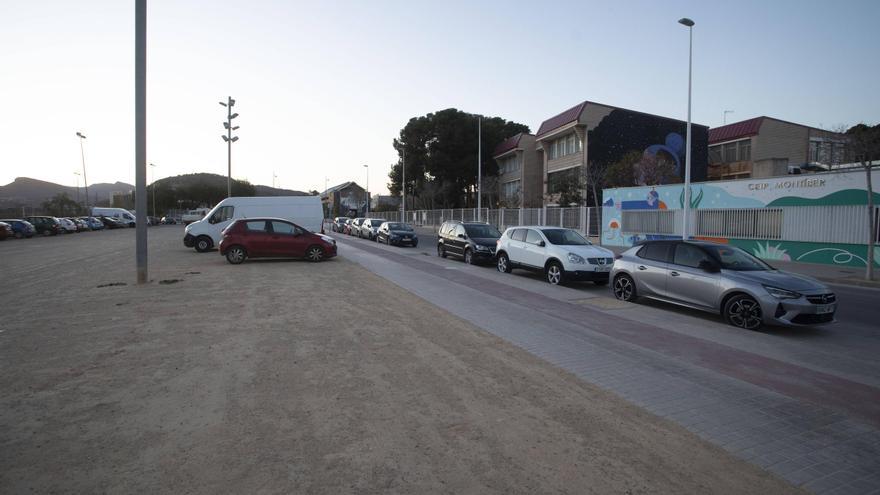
x=843, y=224
x=583, y=219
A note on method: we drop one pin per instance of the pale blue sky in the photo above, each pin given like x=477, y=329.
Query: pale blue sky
x=324, y=88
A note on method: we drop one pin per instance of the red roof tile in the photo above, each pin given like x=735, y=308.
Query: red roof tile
x=508, y=144
x=566, y=117
x=736, y=130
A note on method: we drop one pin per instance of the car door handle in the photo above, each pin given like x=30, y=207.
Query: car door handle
x=643, y=267
x=674, y=274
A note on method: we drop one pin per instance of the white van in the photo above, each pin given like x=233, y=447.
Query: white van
x=305, y=211
x=120, y=214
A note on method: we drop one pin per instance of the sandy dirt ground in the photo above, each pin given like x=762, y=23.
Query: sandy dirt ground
x=287, y=376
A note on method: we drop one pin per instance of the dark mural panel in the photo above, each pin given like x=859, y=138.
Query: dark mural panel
x=623, y=131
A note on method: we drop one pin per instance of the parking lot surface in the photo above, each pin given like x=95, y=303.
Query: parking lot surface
x=803, y=402
x=288, y=376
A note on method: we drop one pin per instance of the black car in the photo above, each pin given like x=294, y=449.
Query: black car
x=46, y=225
x=397, y=233
x=474, y=242
x=111, y=223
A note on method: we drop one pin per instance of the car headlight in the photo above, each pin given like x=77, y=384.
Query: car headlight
x=574, y=258
x=480, y=247
x=781, y=293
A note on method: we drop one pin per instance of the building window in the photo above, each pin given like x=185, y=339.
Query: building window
x=745, y=150
x=814, y=151
x=562, y=180
x=730, y=152
x=509, y=164
x=715, y=154
x=510, y=190
x=565, y=146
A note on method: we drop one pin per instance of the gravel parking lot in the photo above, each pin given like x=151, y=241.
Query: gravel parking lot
x=288, y=376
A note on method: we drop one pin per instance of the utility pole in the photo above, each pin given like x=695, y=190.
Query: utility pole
x=367, y=192
x=479, y=168
x=229, y=140
x=403, y=189
x=140, y=137
x=724, y=117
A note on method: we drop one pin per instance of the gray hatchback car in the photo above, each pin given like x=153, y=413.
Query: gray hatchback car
x=723, y=279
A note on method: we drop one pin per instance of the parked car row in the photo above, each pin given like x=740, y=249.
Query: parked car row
x=722, y=279
x=376, y=229
x=28, y=227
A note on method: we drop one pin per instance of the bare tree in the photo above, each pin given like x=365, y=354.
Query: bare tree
x=864, y=146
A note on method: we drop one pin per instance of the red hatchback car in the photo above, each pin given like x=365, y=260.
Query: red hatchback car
x=273, y=238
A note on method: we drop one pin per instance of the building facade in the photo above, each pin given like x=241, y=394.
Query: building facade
x=592, y=134
x=384, y=203
x=520, y=175
x=767, y=147
x=346, y=199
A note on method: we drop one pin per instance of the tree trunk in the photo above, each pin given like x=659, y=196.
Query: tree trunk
x=872, y=234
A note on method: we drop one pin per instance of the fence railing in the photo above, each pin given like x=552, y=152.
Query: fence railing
x=586, y=220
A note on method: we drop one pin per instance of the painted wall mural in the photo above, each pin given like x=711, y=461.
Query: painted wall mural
x=833, y=188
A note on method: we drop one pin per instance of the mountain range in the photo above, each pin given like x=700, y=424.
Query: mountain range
x=24, y=191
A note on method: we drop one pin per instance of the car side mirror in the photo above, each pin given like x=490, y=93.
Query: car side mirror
x=542, y=243
x=462, y=236
x=708, y=266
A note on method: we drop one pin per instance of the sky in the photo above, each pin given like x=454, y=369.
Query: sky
x=323, y=88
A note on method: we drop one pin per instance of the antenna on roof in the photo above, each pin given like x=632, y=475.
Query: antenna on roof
x=724, y=117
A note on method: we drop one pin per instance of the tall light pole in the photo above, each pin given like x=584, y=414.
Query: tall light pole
x=687, y=160
x=724, y=118
x=229, y=140
x=403, y=189
x=479, y=168
x=140, y=137
x=368, y=188
x=77, y=174
x=82, y=154
x=153, y=184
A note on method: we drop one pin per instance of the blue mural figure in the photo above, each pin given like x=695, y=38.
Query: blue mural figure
x=674, y=147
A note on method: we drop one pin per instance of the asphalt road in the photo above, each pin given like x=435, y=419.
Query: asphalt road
x=802, y=402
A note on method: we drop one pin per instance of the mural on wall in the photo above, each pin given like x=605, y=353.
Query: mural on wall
x=838, y=188
x=622, y=131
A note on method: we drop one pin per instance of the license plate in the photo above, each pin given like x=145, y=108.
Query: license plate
x=406, y=238
x=605, y=268
x=828, y=308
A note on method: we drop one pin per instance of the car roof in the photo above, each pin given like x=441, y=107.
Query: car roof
x=251, y=219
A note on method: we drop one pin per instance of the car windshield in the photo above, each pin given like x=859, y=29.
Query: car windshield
x=482, y=231
x=733, y=258
x=565, y=237
x=399, y=226
x=376, y=223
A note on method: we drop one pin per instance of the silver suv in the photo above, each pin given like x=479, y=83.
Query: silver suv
x=721, y=278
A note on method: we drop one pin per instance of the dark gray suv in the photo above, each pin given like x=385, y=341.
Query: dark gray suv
x=474, y=242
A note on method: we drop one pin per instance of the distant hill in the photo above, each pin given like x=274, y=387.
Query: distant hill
x=215, y=180
x=24, y=191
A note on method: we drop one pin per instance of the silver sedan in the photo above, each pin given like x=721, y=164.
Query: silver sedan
x=723, y=279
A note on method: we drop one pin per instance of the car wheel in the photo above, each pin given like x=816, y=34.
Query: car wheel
x=624, y=288
x=503, y=263
x=236, y=255
x=315, y=253
x=744, y=312
x=441, y=251
x=555, y=274
x=600, y=282
x=415, y=244
x=468, y=256
x=203, y=243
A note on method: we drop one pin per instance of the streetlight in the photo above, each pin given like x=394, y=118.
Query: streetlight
x=479, y=168
x=368, y=189
x=229, y=140
x=687, y=160
x=85, y=180
x=153, y=184
x=403, y=182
